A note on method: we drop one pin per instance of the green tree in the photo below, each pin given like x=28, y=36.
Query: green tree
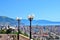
x=2, y=31
x=26, y=34
x=8, y=30
x=20, y=32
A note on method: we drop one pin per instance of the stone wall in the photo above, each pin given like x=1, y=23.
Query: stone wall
x=12, y=37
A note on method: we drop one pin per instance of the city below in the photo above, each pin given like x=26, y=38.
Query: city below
x=11, y=29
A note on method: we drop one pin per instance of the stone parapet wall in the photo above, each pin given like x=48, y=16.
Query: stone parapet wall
x=12, y=37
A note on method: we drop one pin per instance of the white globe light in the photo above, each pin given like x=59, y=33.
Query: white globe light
x=19, y=18
x=31, y=16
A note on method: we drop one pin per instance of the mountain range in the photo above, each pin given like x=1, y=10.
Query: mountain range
x=6, y=20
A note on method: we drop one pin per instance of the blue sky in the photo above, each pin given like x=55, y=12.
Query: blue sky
x=43, y=9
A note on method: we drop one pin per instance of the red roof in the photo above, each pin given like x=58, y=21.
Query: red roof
x=45, y=34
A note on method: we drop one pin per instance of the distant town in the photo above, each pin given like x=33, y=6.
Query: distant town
x=16, y=30
x=38, y=32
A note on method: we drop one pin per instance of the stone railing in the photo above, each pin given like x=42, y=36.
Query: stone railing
x=22, y=37
x=12, y=37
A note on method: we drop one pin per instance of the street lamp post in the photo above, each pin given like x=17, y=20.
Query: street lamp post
x=18, y=26
x=30, y=17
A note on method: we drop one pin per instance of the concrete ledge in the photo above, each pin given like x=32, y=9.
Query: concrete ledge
x=14, y=36
x=24, y=36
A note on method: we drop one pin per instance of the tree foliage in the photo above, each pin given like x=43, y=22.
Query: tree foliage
x=2, y=31
x=8, y=30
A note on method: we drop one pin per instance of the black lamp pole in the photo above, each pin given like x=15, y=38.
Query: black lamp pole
x=18, y=28
x=30, y=28
x=30, y=17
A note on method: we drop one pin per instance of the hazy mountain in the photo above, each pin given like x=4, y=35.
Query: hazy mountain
x=6, y=20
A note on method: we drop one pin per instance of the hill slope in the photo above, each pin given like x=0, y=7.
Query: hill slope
x=6, y=20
